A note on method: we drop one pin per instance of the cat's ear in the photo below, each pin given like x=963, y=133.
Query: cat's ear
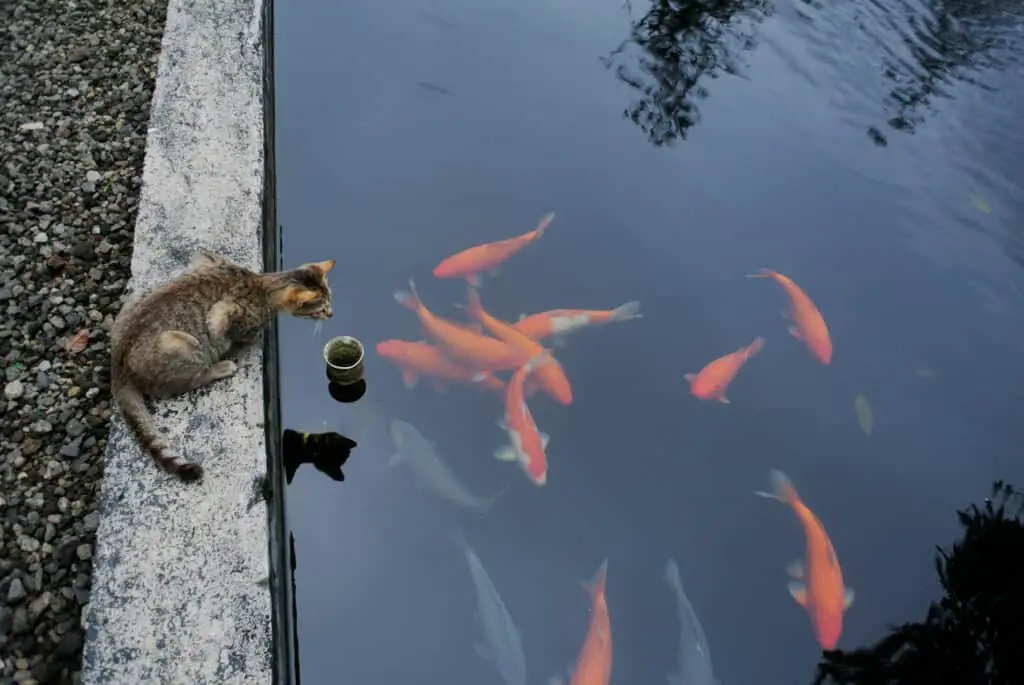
x=322, y=267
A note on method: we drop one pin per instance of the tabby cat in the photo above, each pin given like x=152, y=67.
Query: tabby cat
x=179, y=336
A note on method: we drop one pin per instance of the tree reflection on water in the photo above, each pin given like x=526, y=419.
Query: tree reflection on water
x=974, y=634
x=923, y=48
x=941, y=43
x=680, y=43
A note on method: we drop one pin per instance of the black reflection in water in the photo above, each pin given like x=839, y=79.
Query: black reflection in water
x=682, y=42
x=327, y=452
x=347, y=393
x=975, y=633
x=947, y=42
x=295, y=611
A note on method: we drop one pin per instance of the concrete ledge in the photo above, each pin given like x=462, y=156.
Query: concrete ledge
x=180, y=588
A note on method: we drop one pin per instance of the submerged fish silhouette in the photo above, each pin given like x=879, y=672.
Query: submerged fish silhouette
x=502, y=645
x=421, y=455
x=694, y=652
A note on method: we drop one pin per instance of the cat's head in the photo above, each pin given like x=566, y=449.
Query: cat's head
x=306, y=293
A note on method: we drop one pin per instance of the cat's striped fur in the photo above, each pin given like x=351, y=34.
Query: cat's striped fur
x=179, y=336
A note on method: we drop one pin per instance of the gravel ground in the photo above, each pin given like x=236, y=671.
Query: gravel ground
x=76, y=79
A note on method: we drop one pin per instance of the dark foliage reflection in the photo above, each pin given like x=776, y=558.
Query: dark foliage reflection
x=941, y=43
x=678, y=44
x=974, y=634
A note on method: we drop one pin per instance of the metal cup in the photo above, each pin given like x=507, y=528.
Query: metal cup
x=344, y=359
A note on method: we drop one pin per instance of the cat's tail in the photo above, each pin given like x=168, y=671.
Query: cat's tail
x=140, y=422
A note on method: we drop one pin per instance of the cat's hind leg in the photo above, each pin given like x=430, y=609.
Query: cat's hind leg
x=182, y=366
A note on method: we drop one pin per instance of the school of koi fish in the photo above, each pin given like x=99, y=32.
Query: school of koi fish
x=474, y=352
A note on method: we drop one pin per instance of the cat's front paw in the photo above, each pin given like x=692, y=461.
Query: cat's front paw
x=223, y=369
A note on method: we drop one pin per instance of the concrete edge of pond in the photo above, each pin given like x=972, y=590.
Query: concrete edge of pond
x=181, y=588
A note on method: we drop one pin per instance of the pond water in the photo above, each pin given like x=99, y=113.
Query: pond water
x=868, y=151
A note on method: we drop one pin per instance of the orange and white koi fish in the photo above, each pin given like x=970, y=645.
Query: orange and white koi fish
x=419, y=358
x=527, y=443
x=465, y=345
x=713, y=379
x=808, y=324
x=558, y=323
x=469, y=264
x=549, y=377
x=594, y=664
x=822, y=592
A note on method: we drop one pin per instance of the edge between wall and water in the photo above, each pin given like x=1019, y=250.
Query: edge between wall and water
x=191, y=582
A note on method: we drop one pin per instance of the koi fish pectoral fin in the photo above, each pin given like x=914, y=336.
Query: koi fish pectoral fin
x=848, y=596
x=799, y=592
x=795, y=332
x=482, y=651
x=723, y=399
x=690, y=377
x=795, y=568
x=506, y=453
x=395, y=459
x=409, y=379
x=544, y=439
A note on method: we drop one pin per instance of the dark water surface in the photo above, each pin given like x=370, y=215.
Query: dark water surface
x=870, y=151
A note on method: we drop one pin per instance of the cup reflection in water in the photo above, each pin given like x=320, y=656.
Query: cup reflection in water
x=344, y=359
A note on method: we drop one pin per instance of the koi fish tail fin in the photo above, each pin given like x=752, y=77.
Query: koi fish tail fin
x=543, y=224
x=782, y=488
x=409, y=299
x=755, y=347
x=763, y=273
x=458, y=539
x=671, y=574
x=630, y=310
x=595, y=586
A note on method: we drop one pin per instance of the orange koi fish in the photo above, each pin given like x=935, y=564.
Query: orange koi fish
x=549, y=377
x=822, y=593
x=419, y=358
x=464, y=344
x=469, y=264
x=808, y=324
x=594, y=664
x=713, y=379
x=527, y=443
x=561, y=322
